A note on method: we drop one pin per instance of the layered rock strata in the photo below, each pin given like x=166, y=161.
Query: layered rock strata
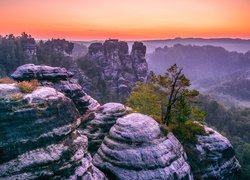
x=213, y=157
x=39, y=137
x=60, y=79
x=117, y=69
x=99, y=123
x=136, y=148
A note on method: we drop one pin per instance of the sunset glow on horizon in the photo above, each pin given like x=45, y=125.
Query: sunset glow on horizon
x=126, y=19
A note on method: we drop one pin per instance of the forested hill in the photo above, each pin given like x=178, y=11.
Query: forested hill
x=199, y=62
x=19, y=50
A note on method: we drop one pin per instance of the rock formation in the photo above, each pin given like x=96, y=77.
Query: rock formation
x=117, y=69
x=39, y=137
x=60, y=79
x=31, y=71
x=136, y=148
x=99, y=123
x=213, y=157
x=48, y=133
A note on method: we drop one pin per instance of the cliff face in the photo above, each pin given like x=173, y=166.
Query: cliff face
x=117, y=69
x=61, y=80
x=39, y=136
x=49, y=133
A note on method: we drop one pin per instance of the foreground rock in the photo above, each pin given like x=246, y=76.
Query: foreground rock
x=213, y=157
x=136, y=148
x=99, y=123
x=60, y=79
x=39, y=137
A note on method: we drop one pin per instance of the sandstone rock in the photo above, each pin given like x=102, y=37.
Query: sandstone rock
x=95, y=48
x=8, y=89
x=39, y=137
x=100, y=122
x=31, y=71
x=113, y=62
x=135, y=148
x=138, y=49
x=60, y=79
x=213, y=157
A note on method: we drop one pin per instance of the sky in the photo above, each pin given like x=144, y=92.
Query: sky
x=125, y=19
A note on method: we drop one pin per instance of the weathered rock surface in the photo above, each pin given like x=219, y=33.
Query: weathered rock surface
x=31, y=71
x=213, y=157
x=39, y=137
x=99, y=123
x=117, y=69
x=136, y=148
x=60, y=79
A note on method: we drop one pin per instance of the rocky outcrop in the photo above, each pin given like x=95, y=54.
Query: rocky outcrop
x=60, y=79
x=136, y=148
x=98, y=124
x=213, y=157
x=31, y=71
x=117, y=69
x=39, y=137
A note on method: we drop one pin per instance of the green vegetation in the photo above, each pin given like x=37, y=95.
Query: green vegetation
x=169, y=100
x=143, y=100
x=12, y=52
x=52, y=51
x=28, y=86
x=18, y=50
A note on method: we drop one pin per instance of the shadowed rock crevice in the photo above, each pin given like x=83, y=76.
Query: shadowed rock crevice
x=98, y=124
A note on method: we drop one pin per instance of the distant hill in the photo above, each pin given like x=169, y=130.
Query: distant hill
x=239, y=45
x=212, y=70
x=230, y=44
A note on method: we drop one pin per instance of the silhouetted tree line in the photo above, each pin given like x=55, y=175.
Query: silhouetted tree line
x=19, y=50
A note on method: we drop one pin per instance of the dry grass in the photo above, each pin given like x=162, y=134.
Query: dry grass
x=6, y=81
x=28, y=86
x=16, y=97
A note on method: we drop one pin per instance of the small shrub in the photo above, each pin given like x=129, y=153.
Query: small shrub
x=187, y=132
x=16, y=97
x=28, y=86
x=6, y=81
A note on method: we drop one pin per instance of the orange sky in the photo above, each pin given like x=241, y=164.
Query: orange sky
x=125, y=19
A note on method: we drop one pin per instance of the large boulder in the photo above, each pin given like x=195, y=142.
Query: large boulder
x=98, y=124
x=60, y=79
x=39, y=137
x=31, y=71
x=136, y=148
x=213, y=157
